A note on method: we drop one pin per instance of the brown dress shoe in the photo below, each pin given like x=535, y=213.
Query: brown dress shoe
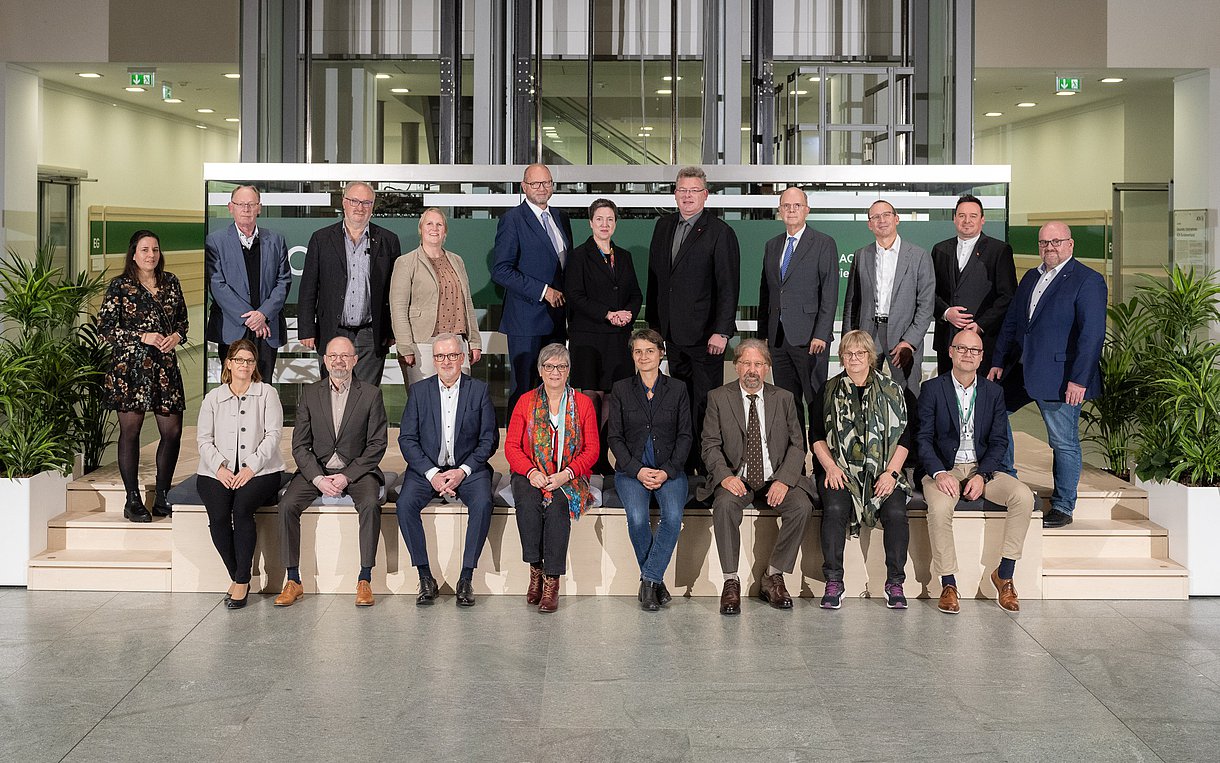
x=364, y=594
x=292, y=591
x=948, y=600
x=730, y=598
x=533, y=594
x=773, y=591
x=1007, y=598
x=550, y=595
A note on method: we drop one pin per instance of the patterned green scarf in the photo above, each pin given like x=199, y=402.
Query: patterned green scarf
x=863, y=436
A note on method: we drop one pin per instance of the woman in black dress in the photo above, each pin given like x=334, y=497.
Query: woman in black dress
x=144, y=317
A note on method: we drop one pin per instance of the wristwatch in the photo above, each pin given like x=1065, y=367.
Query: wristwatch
x=894, y=474
x=987, y=477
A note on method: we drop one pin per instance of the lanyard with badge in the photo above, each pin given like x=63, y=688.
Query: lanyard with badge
x=967, y=414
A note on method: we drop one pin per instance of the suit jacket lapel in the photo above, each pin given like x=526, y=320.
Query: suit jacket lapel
x=739, y=414
x=235, y=265
x=328, y=410
x=534, y=224
x=1065, y=273
x=802, y=248
x=354, y=393
x=463, y=406
x=340, y=245
x=771, y=404
x=698, y=225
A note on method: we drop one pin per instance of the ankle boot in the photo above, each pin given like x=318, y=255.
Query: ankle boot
x=648, y=597
x=134, y=508
x=550, y=595
x=161, y=507
x=534, y=594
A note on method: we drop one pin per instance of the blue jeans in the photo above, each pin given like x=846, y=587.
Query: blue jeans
x=1063, y=435
x=652, y=550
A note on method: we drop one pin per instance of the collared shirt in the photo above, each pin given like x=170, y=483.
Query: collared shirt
x=338, y=404
x=887, y=268
x=552, y=233
x=246, y=241
x=449, y=409
x=1044, y=283
x=965, y=248
x=795, y=244
x=965, y=407
x=681, y=232
x=356, y=308
x=762, y=430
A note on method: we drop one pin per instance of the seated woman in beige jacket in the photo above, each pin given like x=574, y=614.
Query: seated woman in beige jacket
x=430, y=295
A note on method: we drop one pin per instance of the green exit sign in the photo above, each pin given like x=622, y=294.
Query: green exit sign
x=1068, y=84
x=143, y=79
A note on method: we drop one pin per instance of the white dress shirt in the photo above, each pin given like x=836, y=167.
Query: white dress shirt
x=246, y=241
x=965, y=248
x=762, y=431
x=779, y=266
x=966, y=453
x=1043, y=283
x=887, y=268
x=449, y=409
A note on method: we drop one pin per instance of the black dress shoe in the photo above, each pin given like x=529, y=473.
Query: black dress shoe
x=465, y=593
x=134, y=508
x=161, y=507
x=231, y=603
x=648, y=597
x=730, y=598
x=663, y=596
x=427, y=591
x=1056, y=518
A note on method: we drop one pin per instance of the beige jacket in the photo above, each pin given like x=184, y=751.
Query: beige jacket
x=240, y=431
x=414, y=300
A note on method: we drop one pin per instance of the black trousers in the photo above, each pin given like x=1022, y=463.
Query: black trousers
x=836, y=513
x=544, y=530
x=231, y=518
x=266, y=355
x=701, y=372
x=802, y=374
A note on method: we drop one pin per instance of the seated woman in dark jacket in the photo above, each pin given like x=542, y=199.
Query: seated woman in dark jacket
x=650, y=435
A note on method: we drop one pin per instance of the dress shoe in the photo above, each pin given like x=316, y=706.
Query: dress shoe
x=465, y=593
x=364, y=594
x=427, y=591
x=648, y=597
x=1056, y=518
x=730, y=598
x=134, y=508
x=550, y=595
x=773, y=591
x=1007, y=594
x=533, y=594
x=292, y=591
x=663, y=596
x=948, y=600
x=161, y=507
x=232, y=603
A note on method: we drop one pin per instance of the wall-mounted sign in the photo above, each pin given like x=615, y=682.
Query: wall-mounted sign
x=1192, y=237
x=167, y=91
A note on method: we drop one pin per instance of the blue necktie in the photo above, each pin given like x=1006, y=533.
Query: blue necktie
x=553, y=233
x=783, y=265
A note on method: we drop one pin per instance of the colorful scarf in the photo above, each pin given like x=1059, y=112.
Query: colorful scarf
x=576, y=491
x=862, y=435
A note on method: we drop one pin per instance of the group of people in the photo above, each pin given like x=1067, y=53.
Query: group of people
x=585, y=384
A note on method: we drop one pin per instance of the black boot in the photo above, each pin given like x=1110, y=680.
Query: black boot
x=134, y=508
x=161, y=507
x=648, y=597
x=663, y=595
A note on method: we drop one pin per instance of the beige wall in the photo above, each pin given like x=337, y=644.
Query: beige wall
x=174, y=31
x=54, y=30
x=1024, y=33
x=1163, y=33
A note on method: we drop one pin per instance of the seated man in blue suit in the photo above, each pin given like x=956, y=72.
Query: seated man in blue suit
x=448, y=434
x=963, y=435
x=1049, y=351
x=532, y=246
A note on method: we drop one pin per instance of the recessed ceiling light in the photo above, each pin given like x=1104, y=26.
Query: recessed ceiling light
x=557, y=140
x=642, y=135
x=202, y=127
x=746, y=128
x=134, y=89
x=1111, y=80
x=172, y=100
x=815, y=79
x=1026, y=105
x=399, y=90
x=206, y=111
x=646, y=129
x=548, y=128
x=89, y=75
x=798, y=92
x=232, y=75
x=383, y=76
x=665, y=91
x=232, y=119
x=994, y=114
x=668, y=78
x=1066, y=92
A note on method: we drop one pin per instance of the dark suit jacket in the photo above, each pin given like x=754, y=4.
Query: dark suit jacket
x=696, y=295
x=940, y=428
x=1061, y=342
x=591, y=289
x=525, y=262
x=633, y=420
x=225, y=270
x=360, y=441
x=805, y=301
x=324, y=282
x=724, y=437
x=476, y=435
x=984, y=288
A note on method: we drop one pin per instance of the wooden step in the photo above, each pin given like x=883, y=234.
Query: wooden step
x=1113, y=506
x=1106, y=538
x=88, y=569
x=1113, y=578
x=107, y=530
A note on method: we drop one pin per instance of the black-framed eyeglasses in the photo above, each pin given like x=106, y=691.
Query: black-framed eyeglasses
x=243, y=361
x=971, y=351
x=538, y=185
x=449, y=356
x=880, y=216
x=1052, y=243
x=554, y=368
x=361, y=203
x=689, y=191
x=335, y=357
x=246, y=205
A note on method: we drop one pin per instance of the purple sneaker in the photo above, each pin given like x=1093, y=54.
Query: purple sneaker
x=893, y=596
x=833, y=598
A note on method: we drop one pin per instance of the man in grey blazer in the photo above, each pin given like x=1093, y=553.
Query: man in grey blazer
x=246, y=269
x=754, y=452
x=797, y=298
x=337, y=442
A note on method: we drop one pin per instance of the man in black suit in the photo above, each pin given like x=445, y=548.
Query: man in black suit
x=694, y=277
x=345, y=285
x=975, y=281
x=798, y=295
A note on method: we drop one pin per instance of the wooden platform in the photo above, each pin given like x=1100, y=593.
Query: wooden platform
x=1111, y=551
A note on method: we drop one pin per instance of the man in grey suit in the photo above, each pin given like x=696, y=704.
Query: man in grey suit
x=246, y=268
x=797, y=298
x=337, y=442
x=754, y=452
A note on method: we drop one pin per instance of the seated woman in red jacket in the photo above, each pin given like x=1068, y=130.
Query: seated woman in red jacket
x=551, y=447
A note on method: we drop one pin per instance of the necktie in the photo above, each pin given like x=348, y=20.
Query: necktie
x=553, y=233
x=754, y=454
x=783, y=265
x=679, y=237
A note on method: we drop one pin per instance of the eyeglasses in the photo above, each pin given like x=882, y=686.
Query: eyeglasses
x=880, y=216
x=1053, y=243
x=554, y=368
x=855, y=354
x=361, y=203
x=447, y=356
x=335, y=357
x=242, y=361
x=792, y=207
x=689, y=191
x=973, y=352
x=752, y=363
x=246, y=205
x=538, y=185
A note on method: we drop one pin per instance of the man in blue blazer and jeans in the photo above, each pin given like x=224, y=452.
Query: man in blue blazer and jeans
x=1049, y=351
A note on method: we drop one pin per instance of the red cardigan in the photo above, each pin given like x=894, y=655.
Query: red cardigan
x=519, y=447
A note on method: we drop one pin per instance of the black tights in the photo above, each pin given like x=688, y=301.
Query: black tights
x=169, y=425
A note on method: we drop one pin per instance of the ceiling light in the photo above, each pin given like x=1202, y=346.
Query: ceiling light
x=232, y=119
x=172, y=100
x=815, y=79
x=134, y=89
x=557, y=140
x=1066, y=92
x=798, y=92
x=746, y=128
x=232, y=75
x=383, y=76
x=206, y=111
x=548, y=128
x=89, y=75
x=668, y=78
x=202, y=127
x=1026, y=105
x=665, y=91
x=646, y=129
x=399, y=90
x=1111, y=80
x=994, y=114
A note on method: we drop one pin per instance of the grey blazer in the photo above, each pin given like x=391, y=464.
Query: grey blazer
x=911, y=301
x=360, y=441
x=807, y=299
x=240, y=431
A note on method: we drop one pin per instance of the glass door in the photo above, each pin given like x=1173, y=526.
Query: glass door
x=56, y=221
x=1142, y=232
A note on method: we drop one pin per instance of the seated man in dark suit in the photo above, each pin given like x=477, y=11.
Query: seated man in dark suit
x=963, y=434
x=337, y=442
x=448, y=434
x=754, y=451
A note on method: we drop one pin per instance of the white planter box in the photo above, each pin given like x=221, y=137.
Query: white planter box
x=1192, y=517
x=26, y=505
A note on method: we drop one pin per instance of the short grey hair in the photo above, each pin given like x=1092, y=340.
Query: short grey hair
x=449, y=336
x=354, y=183
x=757, y=345
x=692, y=171
x=552, y=351
x=240, y=187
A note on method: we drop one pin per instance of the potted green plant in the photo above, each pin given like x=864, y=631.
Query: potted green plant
x=51, y=368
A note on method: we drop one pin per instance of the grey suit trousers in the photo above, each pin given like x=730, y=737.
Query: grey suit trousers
x=365, y=492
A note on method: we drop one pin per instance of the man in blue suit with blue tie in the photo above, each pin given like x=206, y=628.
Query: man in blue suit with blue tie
x=1049, y=351
x=532, y=245
x=247, y=273
x=448, y=434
